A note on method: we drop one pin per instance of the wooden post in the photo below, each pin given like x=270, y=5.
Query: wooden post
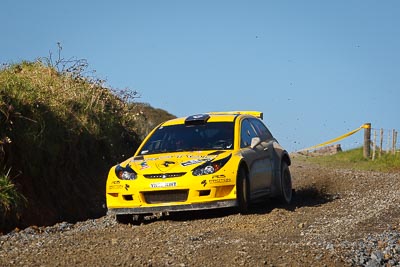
x=394, y=142
x=381, y=144
x=367, y=140
x=374, y=146
x=388, y=143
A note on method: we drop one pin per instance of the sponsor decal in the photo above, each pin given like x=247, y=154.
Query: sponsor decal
x=113, y=187
x=163, y=184
x=144, y=165
x=220, y=180
x=115, y=182
x=189, y=156
x=167, y=163
x=204, y=183
x=191, y=162
x=159, y=158
x=126, y=187
x=205, y=157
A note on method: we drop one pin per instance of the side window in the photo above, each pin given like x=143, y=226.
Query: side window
x=261, y=129
x=246, y=133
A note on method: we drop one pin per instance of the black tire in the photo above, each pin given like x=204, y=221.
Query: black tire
x=129, y=219
x=242, y=191
x=286, y=190
x=124, y=218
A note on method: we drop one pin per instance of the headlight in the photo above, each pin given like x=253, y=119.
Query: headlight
x=125, y=173
x=210, y=167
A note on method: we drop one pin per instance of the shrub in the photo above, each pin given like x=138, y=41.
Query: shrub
x=11, y=200
x=64, y=130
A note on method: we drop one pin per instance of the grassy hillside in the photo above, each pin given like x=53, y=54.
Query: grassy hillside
x=59, y=134
x=353, y=159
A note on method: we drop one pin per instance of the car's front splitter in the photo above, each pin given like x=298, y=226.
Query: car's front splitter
x=163, y=209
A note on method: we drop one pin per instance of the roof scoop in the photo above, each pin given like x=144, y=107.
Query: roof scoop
x=198, y=119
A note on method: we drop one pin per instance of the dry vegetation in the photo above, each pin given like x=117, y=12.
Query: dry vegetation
x=60, y=131
x=354, y=159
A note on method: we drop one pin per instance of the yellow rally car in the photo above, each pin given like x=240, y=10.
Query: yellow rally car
x=205, y=161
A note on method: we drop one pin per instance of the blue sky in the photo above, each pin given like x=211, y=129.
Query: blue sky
x=317, y=69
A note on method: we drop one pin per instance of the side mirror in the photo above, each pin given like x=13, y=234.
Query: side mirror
x=255, y=141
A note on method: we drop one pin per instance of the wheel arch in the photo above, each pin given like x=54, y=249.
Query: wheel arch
x=286, y=158
x=281, y=157
x=243, y=164
x=243, y=187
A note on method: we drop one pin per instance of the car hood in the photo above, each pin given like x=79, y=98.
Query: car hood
x=173, y=162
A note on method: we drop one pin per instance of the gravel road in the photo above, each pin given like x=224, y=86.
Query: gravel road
x=338, y=218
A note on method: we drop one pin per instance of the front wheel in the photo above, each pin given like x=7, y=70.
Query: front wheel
x=242, y=191
x=286, y=184
x=129, y=219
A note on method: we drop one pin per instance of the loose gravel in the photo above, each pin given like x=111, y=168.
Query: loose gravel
x=338, y=218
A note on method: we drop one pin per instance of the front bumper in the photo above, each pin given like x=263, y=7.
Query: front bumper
x=164, y=209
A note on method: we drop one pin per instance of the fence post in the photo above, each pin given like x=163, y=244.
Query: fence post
x=381, y=144
x=367, y=140
x=388, y=143
x=374, y=146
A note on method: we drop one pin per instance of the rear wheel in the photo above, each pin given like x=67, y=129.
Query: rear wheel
x=286, y=184
x=242, y=191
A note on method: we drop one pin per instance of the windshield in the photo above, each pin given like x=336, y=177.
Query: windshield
x=209, y=136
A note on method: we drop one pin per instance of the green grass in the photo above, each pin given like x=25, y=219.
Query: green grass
x=10, y=197
x=353, y=159
x=61, y=131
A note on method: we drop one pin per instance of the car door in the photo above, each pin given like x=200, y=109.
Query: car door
x=258, y=159
x=267, y=142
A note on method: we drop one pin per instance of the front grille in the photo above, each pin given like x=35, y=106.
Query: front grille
x=164, y=175
x=166, y=196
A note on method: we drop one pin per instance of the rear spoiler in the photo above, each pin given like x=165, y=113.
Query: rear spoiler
x=257, y=114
